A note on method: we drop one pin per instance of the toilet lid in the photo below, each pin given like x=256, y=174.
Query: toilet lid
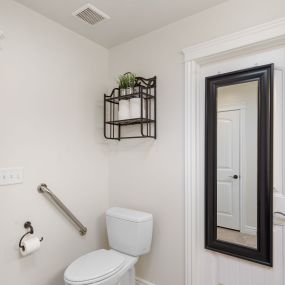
x=94, y=266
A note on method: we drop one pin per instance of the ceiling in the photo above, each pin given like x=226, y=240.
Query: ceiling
x=129, y=18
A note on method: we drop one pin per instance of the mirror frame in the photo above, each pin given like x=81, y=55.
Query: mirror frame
x=264, y=75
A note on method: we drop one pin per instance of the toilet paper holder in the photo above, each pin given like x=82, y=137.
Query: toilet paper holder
x=27, y=225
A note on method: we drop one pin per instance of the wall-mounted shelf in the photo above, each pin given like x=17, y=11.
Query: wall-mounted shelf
x=141, y=126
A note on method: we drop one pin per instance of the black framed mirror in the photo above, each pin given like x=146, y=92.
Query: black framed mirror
x=239, y=164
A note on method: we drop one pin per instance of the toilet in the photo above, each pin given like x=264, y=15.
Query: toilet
x=129, y=235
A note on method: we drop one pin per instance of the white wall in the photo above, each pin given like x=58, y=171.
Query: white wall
x=51, y=81
x=150, y=175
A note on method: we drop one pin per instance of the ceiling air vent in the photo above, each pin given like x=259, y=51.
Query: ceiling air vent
x=90, y=14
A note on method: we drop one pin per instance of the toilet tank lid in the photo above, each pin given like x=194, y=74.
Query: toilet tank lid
x=128, y=215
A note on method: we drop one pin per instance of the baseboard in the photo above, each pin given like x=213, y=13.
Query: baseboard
x=140, y=281
x=249, y=230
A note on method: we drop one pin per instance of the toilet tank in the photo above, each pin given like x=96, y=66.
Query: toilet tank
x=129, y=231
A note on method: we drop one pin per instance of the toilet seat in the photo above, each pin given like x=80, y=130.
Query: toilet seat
x=94, y=267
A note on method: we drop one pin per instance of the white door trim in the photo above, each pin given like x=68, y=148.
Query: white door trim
x=248, y=40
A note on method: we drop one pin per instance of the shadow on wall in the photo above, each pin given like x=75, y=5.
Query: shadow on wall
x=57, y=278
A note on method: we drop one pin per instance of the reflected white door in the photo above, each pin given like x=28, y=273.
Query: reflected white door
x=228, y=182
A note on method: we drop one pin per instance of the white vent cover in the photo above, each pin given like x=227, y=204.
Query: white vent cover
x=90, y=14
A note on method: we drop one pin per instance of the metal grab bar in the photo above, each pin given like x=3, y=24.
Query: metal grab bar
x=279, y=213
x=42, y=188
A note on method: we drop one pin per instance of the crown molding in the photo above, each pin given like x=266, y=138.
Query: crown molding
x=270, y=32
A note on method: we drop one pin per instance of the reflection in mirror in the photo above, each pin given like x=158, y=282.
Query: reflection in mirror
x=237, y=144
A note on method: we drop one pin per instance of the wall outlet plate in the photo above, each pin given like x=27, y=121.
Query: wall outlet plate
x=12, y=175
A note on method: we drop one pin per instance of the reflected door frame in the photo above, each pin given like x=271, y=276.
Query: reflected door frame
x=228, y=165
x=242, y=166
x=240, y=43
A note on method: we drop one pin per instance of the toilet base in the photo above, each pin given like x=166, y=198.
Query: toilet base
x=128, y=278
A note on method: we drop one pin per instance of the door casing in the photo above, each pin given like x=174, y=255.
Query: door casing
x=231, y=219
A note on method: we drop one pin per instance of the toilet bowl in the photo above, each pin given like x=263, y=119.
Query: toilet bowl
x=100, y=267
x=129, y=235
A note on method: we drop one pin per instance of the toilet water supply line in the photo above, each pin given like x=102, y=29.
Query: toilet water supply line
x=42, y=188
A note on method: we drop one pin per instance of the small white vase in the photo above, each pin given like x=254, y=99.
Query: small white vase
x=123, y=92
x=135, y=108
x=124, y=110
x=130, y=90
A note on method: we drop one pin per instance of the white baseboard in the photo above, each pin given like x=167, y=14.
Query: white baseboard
x=249, y=230
x=140, y=281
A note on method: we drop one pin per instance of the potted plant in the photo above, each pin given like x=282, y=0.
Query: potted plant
x=129, y=109
x=131, y=80
x=123, y=84
x=127, y=83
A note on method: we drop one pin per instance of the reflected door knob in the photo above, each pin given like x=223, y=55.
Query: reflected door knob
x=234, y=176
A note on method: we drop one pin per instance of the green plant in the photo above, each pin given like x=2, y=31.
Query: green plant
x=127, y=80
x=132, y=80
x=122, y=81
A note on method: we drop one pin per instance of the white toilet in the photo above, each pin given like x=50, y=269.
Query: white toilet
x=129, y=235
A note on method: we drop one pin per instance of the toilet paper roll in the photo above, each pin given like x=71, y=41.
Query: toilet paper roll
x=30, y=245
x=124, y=110
x=135, y=108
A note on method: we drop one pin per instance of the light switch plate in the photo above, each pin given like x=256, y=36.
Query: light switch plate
x=13, y=175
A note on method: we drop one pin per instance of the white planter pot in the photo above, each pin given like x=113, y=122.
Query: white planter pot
x=124, y=110
x=130, y=90
x=123, y=92
x=135, y=108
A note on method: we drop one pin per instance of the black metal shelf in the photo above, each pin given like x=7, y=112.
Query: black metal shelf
x=127, y=122
x=117, y=129
x=117, y=99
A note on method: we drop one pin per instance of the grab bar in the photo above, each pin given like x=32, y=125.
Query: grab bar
x=42, y=188
x=279, y=213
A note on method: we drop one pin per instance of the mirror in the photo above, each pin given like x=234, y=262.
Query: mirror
x=239, y=163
